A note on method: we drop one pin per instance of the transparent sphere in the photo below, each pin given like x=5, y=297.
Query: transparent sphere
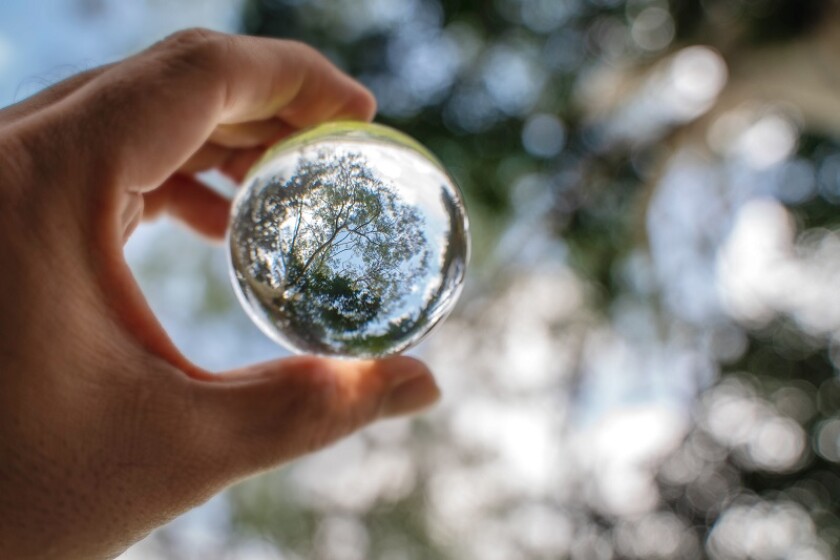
x=349, y=240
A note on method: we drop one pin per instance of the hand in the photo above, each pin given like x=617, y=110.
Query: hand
x=106, y=430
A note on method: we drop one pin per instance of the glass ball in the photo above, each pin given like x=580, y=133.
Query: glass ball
x=348, y=240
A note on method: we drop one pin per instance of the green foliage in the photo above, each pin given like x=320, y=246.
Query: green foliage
x=594, y=194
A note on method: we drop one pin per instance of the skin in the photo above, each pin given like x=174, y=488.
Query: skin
x=106, y=430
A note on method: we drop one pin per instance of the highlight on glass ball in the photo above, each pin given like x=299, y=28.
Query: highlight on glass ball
x=348, y=240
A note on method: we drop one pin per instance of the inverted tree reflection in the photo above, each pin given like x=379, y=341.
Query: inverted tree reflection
x=338, y=269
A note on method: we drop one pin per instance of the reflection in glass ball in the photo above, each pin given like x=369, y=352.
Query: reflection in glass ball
x=350, y=240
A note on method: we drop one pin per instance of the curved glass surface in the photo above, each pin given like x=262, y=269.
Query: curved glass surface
x=349, y=240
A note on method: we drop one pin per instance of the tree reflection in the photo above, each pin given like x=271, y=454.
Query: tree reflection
x=346, y=244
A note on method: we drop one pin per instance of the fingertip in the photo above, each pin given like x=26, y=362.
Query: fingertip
x=239, y=164
x=411, y=386
x=400, y=369
x=360, y=105
x=412, y=396
x=362, y=381
x=193, y=203
x=399, y=384
x=367, y=105
x=360, y=102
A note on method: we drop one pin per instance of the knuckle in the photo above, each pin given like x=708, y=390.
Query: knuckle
x=196, y=47
x=307, y=52
x=194, y=36
x=301, y=46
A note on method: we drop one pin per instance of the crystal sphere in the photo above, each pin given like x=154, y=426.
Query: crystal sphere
x=348, y=240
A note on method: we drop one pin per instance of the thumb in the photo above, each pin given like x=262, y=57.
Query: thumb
x=262, y=416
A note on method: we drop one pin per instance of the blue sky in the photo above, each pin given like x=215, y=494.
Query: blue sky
x=46, y=41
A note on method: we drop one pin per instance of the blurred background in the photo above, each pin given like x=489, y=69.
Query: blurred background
x=644, y=362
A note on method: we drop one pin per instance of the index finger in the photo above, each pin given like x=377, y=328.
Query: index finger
x=136, y=123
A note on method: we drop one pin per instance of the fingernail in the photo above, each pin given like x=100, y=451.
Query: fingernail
x=402, y=369
x=410, y=396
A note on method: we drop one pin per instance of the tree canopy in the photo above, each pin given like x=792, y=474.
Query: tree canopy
x=332, y=248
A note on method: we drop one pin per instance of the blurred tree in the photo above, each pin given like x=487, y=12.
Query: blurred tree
x=665, y=152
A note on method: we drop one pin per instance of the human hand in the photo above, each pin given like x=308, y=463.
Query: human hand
x=106, y=430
